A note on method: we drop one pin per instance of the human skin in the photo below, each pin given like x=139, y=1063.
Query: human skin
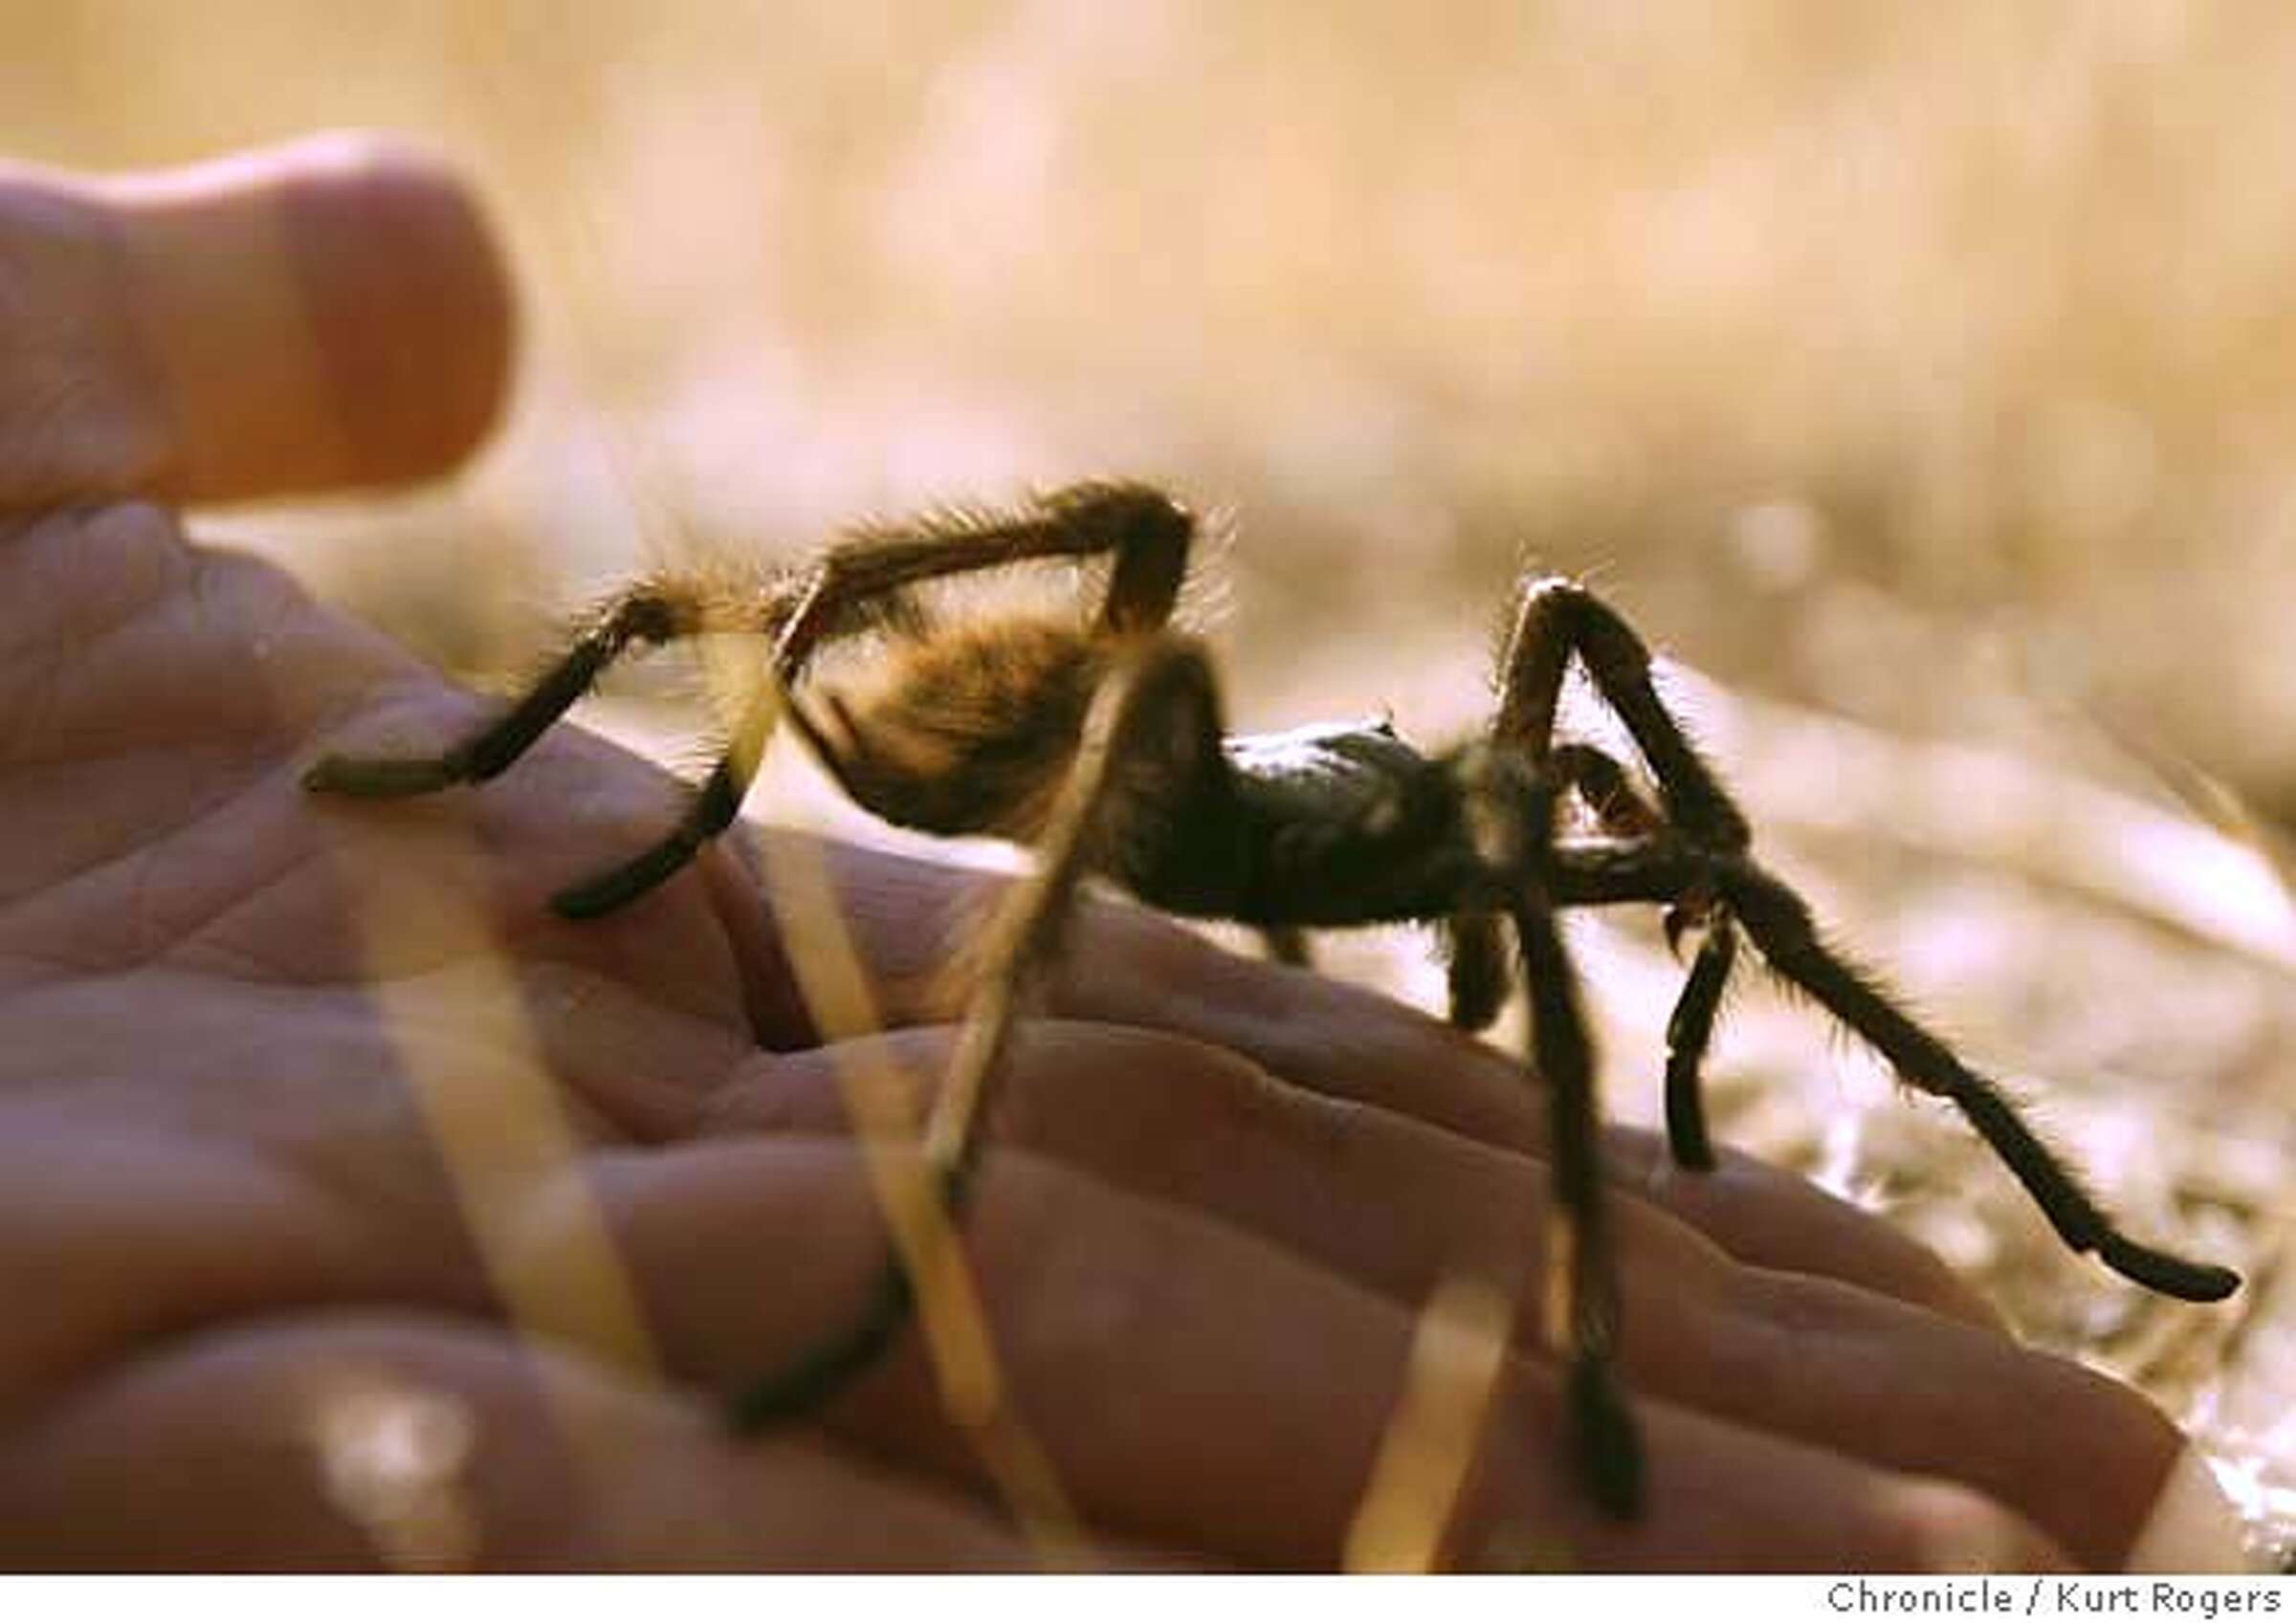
x=239, y=1026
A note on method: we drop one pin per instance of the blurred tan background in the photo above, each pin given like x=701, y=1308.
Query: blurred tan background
x=1923, y=377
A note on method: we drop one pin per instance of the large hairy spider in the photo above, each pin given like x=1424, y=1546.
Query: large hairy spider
x=1099, y=743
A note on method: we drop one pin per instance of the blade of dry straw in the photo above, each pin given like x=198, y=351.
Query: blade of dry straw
x=510, y=1151
x=1457, y=1353
x=883, y=1102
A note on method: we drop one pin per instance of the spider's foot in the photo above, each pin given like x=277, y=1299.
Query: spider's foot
x=380, y=778
x=825, y=1369
x=2171, y=1276
x=1691, y=1032
x=594, y=897
x=1603, y=1433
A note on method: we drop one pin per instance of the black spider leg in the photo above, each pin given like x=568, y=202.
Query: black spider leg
x=1600, y=872
x=1582, y=1287
x=1690, y=1032
x=1510, y=816
x=1620, y=812
x=1717, y=883
x=1146, y=531
x=1284, y=945
x=1475, y=953
x=1782, y=926
x=1555, y=620
x=1159, y=695
x=1474, y=948
x=648, y=614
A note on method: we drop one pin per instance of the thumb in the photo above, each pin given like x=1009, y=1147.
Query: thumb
x=325, y=314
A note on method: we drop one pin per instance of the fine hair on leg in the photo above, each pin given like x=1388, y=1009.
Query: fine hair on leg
x=1146, y=531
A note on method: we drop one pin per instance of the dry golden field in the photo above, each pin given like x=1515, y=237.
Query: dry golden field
x=1922, y=377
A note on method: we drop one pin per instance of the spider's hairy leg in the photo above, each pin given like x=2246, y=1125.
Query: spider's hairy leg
x=1148, y=533
x=1287, y=946
x=1601, y=785
x=708, y=814
x=1664, y=868
x=650, y=613
x=1159, y=695
x=1780, y=925
x=1582, y=1291
x=1620, y=812
x=1510, y=811
x=1555, y=618
x=1474, y=955
x=1474, y=947
x=1690, y=1030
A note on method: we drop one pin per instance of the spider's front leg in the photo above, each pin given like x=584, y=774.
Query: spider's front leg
x=1147, y=533
x=1152, y=731
x=1556, y=621
x=1695, y=862
x=654, y=613
x=1510, y=812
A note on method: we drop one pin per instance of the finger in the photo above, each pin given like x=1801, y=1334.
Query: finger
x=1198, y=1388
x=1341, y=1039
x=1395, y=1205
x=363, y=1442
x=1125, y=966
x=323, y=315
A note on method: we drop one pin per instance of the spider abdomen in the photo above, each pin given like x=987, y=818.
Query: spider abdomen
x=969, y=730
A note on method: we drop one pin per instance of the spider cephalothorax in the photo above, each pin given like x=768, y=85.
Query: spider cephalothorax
x=1098, y=740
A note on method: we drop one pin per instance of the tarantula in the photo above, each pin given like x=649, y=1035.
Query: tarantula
x=1099, y=743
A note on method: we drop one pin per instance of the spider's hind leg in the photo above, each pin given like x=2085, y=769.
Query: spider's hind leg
x=1714, y=883
x=1780, y=925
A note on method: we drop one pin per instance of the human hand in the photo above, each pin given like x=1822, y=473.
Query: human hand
x=314, y=1118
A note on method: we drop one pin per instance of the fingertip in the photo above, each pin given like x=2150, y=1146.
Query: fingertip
x=408, y=301
x=2192, y=1526
x=329, y=314
x=1951, y=1528
x=1776, y=1221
